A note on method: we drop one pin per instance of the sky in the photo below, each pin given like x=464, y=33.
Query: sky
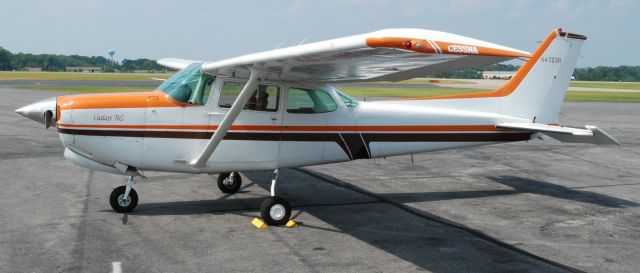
x=216, y=30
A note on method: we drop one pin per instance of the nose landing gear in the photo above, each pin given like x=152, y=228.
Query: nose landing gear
x=124, y=199
x=229, y=182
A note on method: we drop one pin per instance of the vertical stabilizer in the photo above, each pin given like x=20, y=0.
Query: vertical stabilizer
x=538, y=89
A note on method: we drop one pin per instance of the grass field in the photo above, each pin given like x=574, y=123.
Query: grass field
x=48, y=76
x=608, y=85
x=88, y=89
x=586, y=96
x=43, y=76
x=603, y=96
x=405, y=92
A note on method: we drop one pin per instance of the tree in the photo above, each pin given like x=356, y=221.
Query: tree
x=5, y=59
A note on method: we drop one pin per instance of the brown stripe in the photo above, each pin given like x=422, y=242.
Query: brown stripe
x=353, y=138
x=446, y=137
x=354, y=147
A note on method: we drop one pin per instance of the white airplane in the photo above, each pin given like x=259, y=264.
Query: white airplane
x=275, y=109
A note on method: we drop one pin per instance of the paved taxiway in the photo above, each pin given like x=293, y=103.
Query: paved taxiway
x=523, y=207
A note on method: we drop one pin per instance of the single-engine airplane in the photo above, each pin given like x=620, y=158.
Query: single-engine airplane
x=276, y=109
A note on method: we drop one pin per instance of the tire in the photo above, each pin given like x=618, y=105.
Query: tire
x=122, y=206
x=275, y=211
x=223, y=183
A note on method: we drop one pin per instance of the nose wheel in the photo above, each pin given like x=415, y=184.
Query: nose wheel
x=123, y=204
x=124, y=199
x=275, y=210
x=229, y=182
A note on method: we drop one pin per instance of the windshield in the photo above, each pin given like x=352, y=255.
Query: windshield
x=189, y=85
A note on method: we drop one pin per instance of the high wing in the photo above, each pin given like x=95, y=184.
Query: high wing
x=175, y=63
x=385, y=55
x=591, y=134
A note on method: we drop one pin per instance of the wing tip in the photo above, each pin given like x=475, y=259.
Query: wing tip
x=176, y=63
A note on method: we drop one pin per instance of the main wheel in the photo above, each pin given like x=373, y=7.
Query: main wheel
x=226, y=185
x=119, y=203
x=275, y=211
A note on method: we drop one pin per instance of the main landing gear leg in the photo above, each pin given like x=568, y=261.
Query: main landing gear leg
x=275, y=211
x=124, y=198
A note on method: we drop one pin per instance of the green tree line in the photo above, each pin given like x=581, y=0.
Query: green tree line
x=52, y=62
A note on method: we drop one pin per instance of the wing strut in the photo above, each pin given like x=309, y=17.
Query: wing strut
x=228, y=120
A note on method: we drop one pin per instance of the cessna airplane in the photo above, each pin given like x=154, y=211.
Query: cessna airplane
x=276, y=109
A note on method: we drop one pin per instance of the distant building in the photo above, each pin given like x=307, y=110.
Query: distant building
x=84, y=69
x=32, y=69
x=499, y=75
x=145, y=71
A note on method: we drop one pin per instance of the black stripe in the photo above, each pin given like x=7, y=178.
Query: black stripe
x=353, y=139
x=445, y=137
x=355, y=145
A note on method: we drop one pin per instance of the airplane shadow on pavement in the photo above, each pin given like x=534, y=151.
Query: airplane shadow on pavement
x=528, y=185
x=379, y=219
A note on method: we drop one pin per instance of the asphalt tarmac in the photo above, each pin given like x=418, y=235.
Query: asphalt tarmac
x=539, y=206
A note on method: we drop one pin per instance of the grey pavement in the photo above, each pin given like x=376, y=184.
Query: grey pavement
x=539, y=206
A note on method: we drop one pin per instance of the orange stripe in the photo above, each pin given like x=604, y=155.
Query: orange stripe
x=422, y=46
x=416, y=45
x=402, y=128
x=118, y=100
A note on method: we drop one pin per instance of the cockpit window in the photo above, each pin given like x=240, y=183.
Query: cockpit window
x=189, y=85
x=309, y=101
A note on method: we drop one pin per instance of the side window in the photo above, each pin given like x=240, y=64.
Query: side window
x=265, y=98
x=348, y=101
x=309, y=101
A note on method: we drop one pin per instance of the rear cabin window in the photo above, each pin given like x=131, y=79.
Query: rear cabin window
x=265, y=98
x=309, y=101
x=348, y=101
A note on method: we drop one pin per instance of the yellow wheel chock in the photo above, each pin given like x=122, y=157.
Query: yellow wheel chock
x=259, y=223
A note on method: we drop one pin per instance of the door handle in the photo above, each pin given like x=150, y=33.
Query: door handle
x=274, y=118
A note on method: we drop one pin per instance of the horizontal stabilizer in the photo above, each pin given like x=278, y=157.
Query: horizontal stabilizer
x=590, y=134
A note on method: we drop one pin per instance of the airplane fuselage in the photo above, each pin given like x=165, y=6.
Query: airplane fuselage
x=259, y=112
x=151, y=131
